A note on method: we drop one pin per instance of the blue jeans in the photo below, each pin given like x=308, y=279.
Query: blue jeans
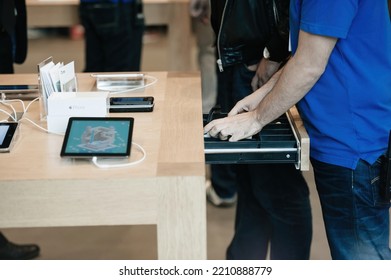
x=356, y=216
x=113, y=36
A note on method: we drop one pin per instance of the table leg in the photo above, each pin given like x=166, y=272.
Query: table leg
x=181, y=225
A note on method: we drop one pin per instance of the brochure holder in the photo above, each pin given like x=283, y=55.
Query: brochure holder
x=54, y=78
x=43, y=95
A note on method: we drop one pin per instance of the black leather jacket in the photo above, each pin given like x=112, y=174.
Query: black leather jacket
x=244, y=27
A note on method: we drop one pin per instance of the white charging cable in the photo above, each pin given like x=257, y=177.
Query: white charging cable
x=25, y=108
x=139, y=147
x=9, y=115
x=5, y=102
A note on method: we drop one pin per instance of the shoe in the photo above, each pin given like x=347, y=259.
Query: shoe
x=216, y=200
x=11, y=251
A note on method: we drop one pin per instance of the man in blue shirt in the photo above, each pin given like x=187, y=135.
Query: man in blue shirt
x=341, y=74
x=113, y=34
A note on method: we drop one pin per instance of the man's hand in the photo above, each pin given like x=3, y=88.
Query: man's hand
x=200, y=9
x=247, y=104
x=234, y=128
x=265, y=70
x=250, y=102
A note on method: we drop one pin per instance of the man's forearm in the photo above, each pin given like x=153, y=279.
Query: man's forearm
x=298, y=76
x=295, y=80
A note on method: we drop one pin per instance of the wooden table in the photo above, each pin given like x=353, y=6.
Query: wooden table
x=173, y=13
x=38, y=188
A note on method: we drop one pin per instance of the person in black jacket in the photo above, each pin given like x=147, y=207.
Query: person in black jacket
x=273, y=209
x=113, y=34
x=13, y=48
x=13, y=34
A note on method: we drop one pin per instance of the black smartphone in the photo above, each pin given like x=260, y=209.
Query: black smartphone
x=18, y=88
x=131, y=104
x=23, y=92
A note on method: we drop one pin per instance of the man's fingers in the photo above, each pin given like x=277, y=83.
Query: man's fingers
x=211, y=125
x=212, y=128
x=217, y=129
x=224, y=134
x=234, y=111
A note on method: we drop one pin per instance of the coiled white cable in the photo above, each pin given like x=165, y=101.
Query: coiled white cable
x=139, y=147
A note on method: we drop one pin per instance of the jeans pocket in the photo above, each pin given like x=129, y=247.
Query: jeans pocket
x=378, y=199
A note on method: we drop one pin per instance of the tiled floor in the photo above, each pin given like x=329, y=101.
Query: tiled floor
x=131, y=242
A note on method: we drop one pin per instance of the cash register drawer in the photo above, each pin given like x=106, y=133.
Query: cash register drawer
x=284, y=140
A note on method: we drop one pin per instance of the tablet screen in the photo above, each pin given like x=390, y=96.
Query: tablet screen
x=101, y=137
x=7, y=131
x=3, y=133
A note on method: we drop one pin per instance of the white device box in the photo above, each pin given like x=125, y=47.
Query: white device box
x=63, y=105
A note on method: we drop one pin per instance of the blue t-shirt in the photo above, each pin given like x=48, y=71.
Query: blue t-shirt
x=348, y=112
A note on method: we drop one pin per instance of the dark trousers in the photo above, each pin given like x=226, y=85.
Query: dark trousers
x=6, y=54
x=113, y=36
x=273, y=212
x=273, y=209
x=3, y=240
x=223, y=176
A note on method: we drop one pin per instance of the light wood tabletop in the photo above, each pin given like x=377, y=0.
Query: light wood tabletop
x=38, y=188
